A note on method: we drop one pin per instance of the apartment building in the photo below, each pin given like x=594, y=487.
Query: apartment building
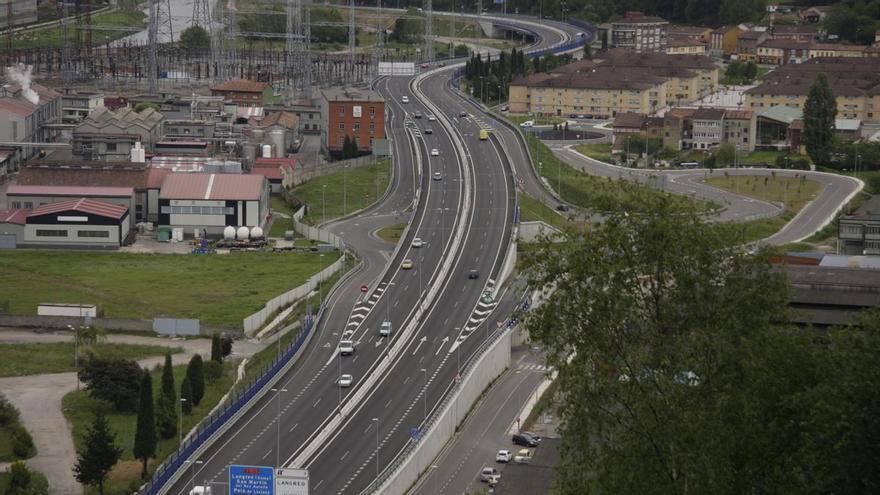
x=747, y=45
x=824, y=50
x=357, y=113
x=703, y=129
x=781, y=51
x=639, y=32
x=855, y=83
x=683, y=45
x=802, y=33
x=723, y=41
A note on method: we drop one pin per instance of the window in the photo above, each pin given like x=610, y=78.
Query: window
x=28, y=205
x=341, y=111
x=16, y=205
x=342, y=126
x=111, y=146
x=51, y=233
x=357, y=127
x=372, y=111
x=372, y=127
x=93, y=233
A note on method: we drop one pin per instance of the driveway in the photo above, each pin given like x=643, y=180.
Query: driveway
x=38, y=397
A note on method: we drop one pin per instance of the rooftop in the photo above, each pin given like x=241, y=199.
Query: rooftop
x=124, y=117
x=13, y=100
x=708, y=114
x=20, y=190
x=781, y=113
x=629, y=119
x=636, y=17
x=273, y=168
x=196, y=185
x=241, y=86
x=83, y=173
x=351, y=94
x=82, y=205
x=284, y=119
x=18, y=216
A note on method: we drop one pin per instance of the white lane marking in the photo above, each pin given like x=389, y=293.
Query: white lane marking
x=292, y=428
x=421, y=341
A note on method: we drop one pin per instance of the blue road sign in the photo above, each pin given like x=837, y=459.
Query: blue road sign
x=251, y=480
x=414, y=433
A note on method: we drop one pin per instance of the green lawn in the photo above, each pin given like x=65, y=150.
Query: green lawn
x=280, y=225
x=218, y=289
x=765, y=157
x=595, y=193
x=538, y=120
x=601, y=151
x=533, y=210
x=391, y=233
x=57, y=357
x=53, y=37
x=362, y=186
x=79, y=406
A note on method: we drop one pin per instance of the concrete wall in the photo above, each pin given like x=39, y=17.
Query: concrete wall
x=530, y=231
x=34, y=321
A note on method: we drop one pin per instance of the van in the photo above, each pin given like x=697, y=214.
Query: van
x=688, y=164
x=200, y=490
x=484, y=134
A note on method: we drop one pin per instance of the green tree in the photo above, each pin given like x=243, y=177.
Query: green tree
x=98, y=454
x=195, y=373
x=216, y=348
x=725, y=155
x=195, y=38
x=23, y=481
x=114, y=380
x=140, y=107
x=820, y=109
x=166, y=404
x=145, y=440
x=650, y=328
x=186, y=401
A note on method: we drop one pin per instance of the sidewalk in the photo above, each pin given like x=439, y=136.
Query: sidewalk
x=38, y=398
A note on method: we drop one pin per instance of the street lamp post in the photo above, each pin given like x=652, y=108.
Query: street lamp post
x=323, y=203
x=425, y=395
x=180, y=421
x=376, y=420
x=75, y=353
x=278, y=425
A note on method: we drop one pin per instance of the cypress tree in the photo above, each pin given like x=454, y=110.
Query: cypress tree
x=196, y=375
x=166, y=413
x=186, y=402
x=145, y=436
x=216, y=349
x=98, y=455
x=168, y=378
x=820, y=109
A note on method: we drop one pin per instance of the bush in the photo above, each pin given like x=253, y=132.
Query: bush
x=22, y=443
x=213, y=371
x=226, y=345
x=8, y=412
x=115, y=380
x=24, y=481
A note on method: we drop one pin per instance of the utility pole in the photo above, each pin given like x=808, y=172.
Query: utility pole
x=429, y=31
x=153, y=46
x=352, y=34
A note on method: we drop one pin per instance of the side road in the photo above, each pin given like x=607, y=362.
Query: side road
x=38, y=397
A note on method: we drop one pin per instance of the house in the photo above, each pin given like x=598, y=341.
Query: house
x=802, y=33
x=624, y=125
x=683, y=45
x=815, y=14
x=708, y=128
x=78, y=223
x=244, y=93
x=204, y=204
x=703, y=129
x=824, y=50
x=781, y=51
x=91, y=174
x=356, y=113
x=636, y=31
x=723, y=41
x=739, y=129
x=77, y=105
x=110, y=135
x=278, y=171
x=747, y=45
x=859, y=233
x=697, y=33
x=26, y=115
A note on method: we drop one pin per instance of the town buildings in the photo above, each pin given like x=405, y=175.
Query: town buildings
x=859, y=233
x=356, y=113
x=244, y=93
x=636, y=31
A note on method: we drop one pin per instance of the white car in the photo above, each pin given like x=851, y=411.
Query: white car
x=524, y=456
x=345, y=381
x=432, y=118
x=528, y=123
x=487, y=472
x=503, y=456
x=405, y=99
x=418, y=242
x=434, y=152
x=385, y=328
x=346, y=347
x=437, y=176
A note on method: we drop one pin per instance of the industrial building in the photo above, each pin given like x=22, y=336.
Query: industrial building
x=356, y=113
x=78, y=223
x=32, y=197
x=278, y=171
x=204, y=204
x=110, y=135
x=12, y=224
x=26, y=115
x=244, y=93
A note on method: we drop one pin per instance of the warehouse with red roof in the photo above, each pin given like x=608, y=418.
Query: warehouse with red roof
x=78, y=223
x=205, y=204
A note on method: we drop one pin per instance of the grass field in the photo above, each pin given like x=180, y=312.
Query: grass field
x=391, y=233
x=601, y=152
x=218, y=289
x=57, y=357
x=280, y=225
x=53, y=37
x=362, y=186
x=79, y=406
x=762, y=157
x=533, y=210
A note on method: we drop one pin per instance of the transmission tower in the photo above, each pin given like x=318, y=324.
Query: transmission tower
x=380, y=37
x=452, y=30
x=307, y=52
x=351, y=40
x=293, y=48
x=66, y=48
x=201, y=14
x=230, y=57
x=153, y=46
x=165, y=33
x=429, y=31
x=9, y=32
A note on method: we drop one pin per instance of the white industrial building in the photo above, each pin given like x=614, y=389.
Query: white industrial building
x=78, y=223
x=204, y=204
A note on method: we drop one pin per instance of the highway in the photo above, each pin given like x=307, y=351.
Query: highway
x=837, y=191
x=329, y=429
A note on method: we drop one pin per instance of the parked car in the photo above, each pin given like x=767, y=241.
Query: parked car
x=503, y=456
x=534, y=436
x=486, y=473
x=524, y=456
x=524, y=440
x=385, y=328
x=345, y=381
x=346, y=347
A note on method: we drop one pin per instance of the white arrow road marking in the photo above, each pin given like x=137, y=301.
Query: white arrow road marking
x=442, y=343
x=421, y=341
x=379, y=342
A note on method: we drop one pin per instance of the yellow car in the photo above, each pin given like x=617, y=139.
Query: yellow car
x=407, y=264
x=524, y=456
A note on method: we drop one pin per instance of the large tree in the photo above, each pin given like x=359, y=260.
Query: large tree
x=195, y=373
x=166, y=404
x=114, y=380
x=195, y=38
x=820, y=109
x=98, y=453
x=145, y=440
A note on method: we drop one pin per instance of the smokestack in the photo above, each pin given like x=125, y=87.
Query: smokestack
x=21, y=74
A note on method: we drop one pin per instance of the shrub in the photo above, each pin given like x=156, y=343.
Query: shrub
x=213, y=371
x=22, y=443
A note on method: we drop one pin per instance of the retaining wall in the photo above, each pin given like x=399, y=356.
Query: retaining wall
x=61, y=322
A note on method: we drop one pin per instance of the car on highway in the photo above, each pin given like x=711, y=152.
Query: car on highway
x=435, y=152
x=437, y=176
x=487, y=472
x=524, y=456
x=200, y=490
x=562, y=207
x=418, y=242
x=345, y=381
x=405, y=99
x=525, y=440
x=503, y=456
x=473, y=274
x=418, y=114
x=528, y=123
x=385, y=328
x=346, y=347
x=462, y=114
x=407, y=264
x=431, y=117
x=428, y=130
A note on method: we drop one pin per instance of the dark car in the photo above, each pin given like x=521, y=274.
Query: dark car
x=473, y=274
x=562, y=207
x=525, y=440
x=462, y=114
x=429, y=131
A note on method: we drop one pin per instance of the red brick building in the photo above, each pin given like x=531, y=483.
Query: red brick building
x=244, y=93
x=357, y=113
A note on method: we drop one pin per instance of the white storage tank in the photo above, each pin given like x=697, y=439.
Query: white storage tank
x=243, y=233
x=229, y=233
x=249, y=154
x=256, y=233
x=258, y=136
x=267, y=151
x=278, y=141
